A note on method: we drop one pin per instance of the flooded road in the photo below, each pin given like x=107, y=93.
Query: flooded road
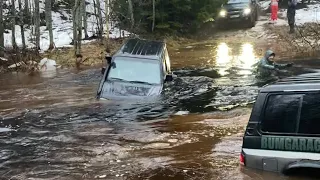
x=51, y=126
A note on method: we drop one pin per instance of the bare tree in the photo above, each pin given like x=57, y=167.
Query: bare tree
x=100, y=19
x=130, y=8
x=49, y=22
x=95, y=14
x=84, y=17
x=37, y=23
x=107, y=17
x=13, y=24
x=77, y=27
x=46, y=7
x=153, y=14
x=74, y=13
x=21, y=22
x=1, y=30
x=26, y=8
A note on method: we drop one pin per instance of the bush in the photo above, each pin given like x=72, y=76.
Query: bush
x=172, y=16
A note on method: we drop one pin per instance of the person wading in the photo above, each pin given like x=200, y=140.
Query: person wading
x=266, y=67
x=291, y=13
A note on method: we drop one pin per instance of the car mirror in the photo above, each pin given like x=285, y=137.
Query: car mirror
x=108, y=58
x=103, y=70
x=169, y=77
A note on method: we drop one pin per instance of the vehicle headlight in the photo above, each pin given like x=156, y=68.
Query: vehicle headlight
x=223, y=13
x=247, y=11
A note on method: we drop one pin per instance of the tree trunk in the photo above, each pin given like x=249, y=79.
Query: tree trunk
x=13, y=24
x=1, y=30
x=95, y=14
x=84, y=17
x=130, y=8
x=21, y=17
x=79, y=19
x=49, y=22
x=31, y=10
x=26, y=7
x=107, y=18
x=26, y=12
x=153, y=14
x=77, y=26
x=74, y=21
x=46, y=7
x=37, y=23
x=100, y=19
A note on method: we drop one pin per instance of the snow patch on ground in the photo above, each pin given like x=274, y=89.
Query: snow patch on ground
x=62, y=29
x=311, y=14
x=307, y=15
x=265, y=4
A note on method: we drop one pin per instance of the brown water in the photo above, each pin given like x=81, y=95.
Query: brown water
x=51, y=126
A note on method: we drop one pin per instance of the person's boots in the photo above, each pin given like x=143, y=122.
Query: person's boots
x=291, y=29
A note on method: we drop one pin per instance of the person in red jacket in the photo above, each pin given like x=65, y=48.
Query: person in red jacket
x=274, y=10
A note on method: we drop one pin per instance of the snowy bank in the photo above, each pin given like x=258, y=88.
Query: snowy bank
x=62, y=29
x=310, y=14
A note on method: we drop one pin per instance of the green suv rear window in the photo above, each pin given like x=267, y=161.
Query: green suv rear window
x=310, y=114
x=292, y=113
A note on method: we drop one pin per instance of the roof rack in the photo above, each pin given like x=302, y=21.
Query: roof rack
x=306, y=82
x=307, y=78
x=143, y=47
x=299, y=82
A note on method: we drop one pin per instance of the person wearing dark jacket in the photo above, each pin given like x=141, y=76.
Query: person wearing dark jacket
x=291, y=13
x=266, y=66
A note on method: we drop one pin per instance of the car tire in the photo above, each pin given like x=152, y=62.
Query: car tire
x=253, y=23
x=221, y=26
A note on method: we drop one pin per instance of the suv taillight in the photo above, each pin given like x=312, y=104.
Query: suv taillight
x=242, y=160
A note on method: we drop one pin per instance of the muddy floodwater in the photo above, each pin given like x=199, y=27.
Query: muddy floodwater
x=52, y=127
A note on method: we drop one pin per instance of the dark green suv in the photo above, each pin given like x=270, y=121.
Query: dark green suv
x=238, y=11
x=283, y=132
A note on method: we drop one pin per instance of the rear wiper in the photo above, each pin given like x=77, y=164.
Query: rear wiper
x=141, y=82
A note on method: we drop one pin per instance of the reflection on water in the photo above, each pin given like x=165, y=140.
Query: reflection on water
x=241, y=57
x=223, y=55
x=223, y=58
x=247, y=56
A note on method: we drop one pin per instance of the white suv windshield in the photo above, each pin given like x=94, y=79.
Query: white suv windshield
x=133, y=69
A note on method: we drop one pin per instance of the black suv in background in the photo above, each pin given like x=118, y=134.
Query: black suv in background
x=238, y=11
x=283, y=132
x=139, y=69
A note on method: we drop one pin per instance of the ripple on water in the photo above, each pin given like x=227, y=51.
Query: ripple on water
x=6, y=154
x=2, y=130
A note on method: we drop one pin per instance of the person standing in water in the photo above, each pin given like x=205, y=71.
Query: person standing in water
x=266, y=67
x=291, y=13
x=274, y=10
